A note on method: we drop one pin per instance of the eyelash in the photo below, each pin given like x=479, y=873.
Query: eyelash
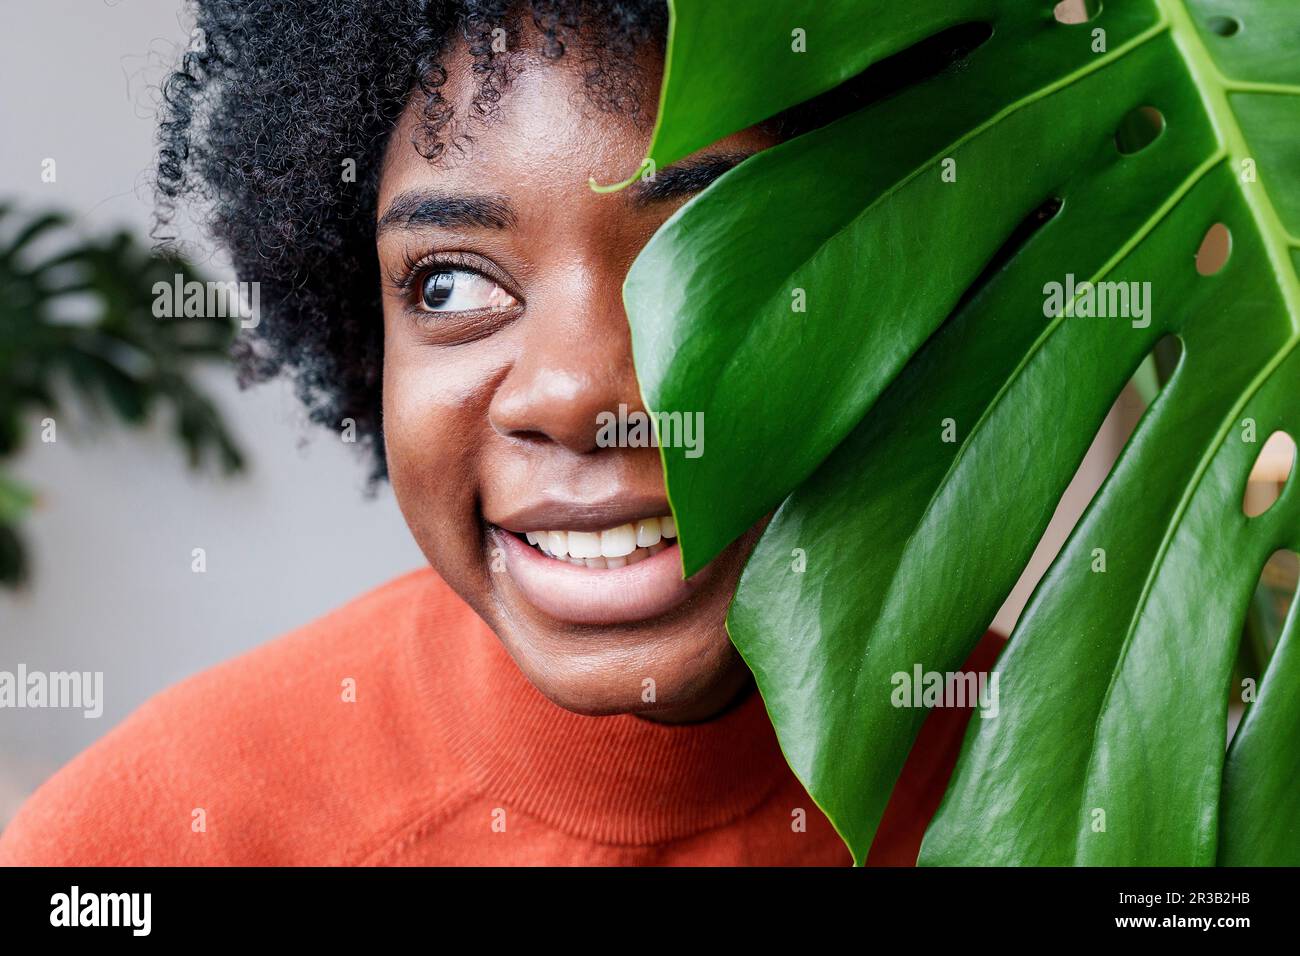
x=410, y=276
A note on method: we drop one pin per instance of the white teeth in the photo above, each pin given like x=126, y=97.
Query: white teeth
x=647, y=532
x=584, y=544
x=617, y=547
x=558, y=542
x=618, y=542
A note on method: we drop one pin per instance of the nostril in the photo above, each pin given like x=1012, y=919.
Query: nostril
x=528, y=435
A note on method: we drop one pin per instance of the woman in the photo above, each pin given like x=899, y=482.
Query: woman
x=409, y=184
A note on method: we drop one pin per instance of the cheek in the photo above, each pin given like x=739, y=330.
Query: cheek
x=433, y=402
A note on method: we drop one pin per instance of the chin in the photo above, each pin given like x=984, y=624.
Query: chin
x=635, y=638
x=669, y=672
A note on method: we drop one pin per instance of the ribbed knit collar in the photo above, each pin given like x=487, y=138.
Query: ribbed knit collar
x=618, y=780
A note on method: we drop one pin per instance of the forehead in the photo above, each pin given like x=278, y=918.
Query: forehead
x=553, y=127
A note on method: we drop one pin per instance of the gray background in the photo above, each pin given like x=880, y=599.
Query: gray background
x=119, y=511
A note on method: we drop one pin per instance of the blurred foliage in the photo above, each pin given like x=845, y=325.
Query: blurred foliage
x=78, y=324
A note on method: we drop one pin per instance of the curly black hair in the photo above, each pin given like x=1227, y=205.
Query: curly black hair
x=271, y=100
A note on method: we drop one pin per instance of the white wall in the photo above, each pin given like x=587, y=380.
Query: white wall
x=119, y=512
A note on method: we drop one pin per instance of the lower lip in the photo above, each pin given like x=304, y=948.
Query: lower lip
x=636, y=592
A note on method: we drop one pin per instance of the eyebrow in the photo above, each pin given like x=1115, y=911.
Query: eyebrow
x=417, y=208
x=685, y=178
x=430, y=207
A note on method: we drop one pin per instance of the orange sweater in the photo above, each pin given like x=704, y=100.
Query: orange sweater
x=445, y=755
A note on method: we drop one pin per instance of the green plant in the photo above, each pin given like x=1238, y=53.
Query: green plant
x=921, y=234
x=80, y=321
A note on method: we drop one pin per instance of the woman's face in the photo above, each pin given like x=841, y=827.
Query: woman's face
x=505, y=338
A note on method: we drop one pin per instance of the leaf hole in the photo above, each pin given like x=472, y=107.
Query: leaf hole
x=1268, y=476
x=1025, y=230
x=1153, y=374
x=1139, y=129
x=1071, y=12
x=1265, y=618
x=1214, y=250
x=1223, y=26
x=924, y=60
x=1109, y=440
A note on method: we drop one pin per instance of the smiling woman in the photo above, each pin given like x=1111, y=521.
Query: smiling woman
x=551, y=689
x=511, y=387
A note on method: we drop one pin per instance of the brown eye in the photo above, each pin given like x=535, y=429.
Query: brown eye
x=460, y=290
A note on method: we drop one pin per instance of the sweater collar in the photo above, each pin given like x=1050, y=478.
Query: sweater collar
x=619, y=780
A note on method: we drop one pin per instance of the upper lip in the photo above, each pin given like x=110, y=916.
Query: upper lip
x=556, y=514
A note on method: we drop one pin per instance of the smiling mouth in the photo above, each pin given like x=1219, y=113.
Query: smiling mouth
x=621, y=574
x=610, y=549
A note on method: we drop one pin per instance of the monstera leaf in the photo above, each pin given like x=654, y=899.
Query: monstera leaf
x=876, y=319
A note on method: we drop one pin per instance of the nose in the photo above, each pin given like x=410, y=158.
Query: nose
x=574, y=362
